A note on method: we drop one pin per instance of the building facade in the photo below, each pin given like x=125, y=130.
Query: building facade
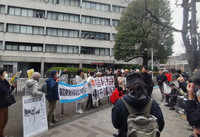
x=41, y=34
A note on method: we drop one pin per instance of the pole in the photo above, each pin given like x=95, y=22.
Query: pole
x=194, y=34
x=152, y=59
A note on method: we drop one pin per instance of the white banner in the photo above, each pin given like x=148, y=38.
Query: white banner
x=103, y=87
x=34, y=115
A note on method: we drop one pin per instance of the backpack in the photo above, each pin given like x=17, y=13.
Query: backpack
x=44, y=88
x=141, y=124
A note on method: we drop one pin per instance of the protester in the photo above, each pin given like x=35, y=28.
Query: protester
x=90, y=86
x=126, y=72
x=99, y=74
x=193, y=106
x=161, y=78
x=169, y=77
x=121, y=80
x=171, y=97
x=5, y=89
x=31, y=86
x=147, y=80
x=116, y=95
x=138, y=99
x=52, y=96
x=78, y=80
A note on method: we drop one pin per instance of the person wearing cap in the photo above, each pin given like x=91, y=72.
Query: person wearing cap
x=171, y=97
x=5, y=89
x=52, y=96
x=31, y=86
x=137, y=98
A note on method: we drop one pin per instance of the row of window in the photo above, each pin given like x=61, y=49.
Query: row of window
x=63, y=16
x=95, y=20
x=62, y=49
x=1, y=27
x=95, y=35
x=36, y=30
x=2, y=9
x=26, y=12
x=55, y=48
x=62, y=32
x=95, y=51
x=25, y=29
x=74, y=3
x=24, y=47
x=117, y=9
x=96, y=6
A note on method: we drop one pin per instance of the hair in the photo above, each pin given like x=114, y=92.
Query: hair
x=119, y=89
x=91, y=73
x=196, y=78
x=120, y=74
x=78, y=72
x=137, y=90
x=53, y=73
x=145, y=67
x=1, y=71
x=36, y=76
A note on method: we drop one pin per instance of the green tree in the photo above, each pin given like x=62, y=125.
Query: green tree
x=139, y=30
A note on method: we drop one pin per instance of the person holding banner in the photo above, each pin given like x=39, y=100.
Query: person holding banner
x=5, y=90
x=78, y=80
x=31, y=86
x=90, y=85
x=52, y=96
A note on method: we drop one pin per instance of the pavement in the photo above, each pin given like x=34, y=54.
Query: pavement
x=98, y=123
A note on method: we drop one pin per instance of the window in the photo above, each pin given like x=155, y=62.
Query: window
x=22, y=47
x=25, y=29
x=8, y=68
x=115, y=23
x=1, y=27
x=2, y=9
x=95, y=35
x=95, y=51
x=96, y=6
x=62, y=32
x=1, y=45
x=95, y=20
x=117, y=9
x=26, y=12
x=113, y=36
x=62, y=49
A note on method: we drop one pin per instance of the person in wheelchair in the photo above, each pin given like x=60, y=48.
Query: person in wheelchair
x=171, y=97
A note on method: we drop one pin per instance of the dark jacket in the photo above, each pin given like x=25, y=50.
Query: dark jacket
x=5, y=89
x=120, y=113
x=161, y=79
x=52, y=89
x=147, y=78
x=174, y=93
x=193, y=113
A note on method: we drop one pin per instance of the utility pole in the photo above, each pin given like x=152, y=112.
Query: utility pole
x=194, y=34
x=152, y=58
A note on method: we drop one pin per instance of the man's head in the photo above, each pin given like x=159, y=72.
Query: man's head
x=3, y=73
x=144, y=69
x=119, y=89
x=196, y=78
x=53, y=74
x=36, y=76
x=79, y=72
x=172, y=85
x=160, y=72
x=136, y=85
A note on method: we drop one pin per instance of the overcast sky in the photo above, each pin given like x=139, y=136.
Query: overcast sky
x=177, y=16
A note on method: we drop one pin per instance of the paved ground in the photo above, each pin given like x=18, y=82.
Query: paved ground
x=98, y=124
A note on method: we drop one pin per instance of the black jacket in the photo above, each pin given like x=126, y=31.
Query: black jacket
x=147, y=78
x=161, y=79
x=5, y=89
x=174, y=93
x=120, y=113
x=193, y=113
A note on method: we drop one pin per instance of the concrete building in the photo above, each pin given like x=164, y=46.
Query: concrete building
x=177, y=62
x=41, y=34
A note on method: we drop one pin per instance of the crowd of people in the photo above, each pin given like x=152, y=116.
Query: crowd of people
x=132, y=97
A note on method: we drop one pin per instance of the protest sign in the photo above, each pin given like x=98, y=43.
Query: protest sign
x=103, y=87
x=34, y=115
x=70, y=93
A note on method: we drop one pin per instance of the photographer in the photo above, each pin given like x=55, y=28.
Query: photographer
x=192, y=106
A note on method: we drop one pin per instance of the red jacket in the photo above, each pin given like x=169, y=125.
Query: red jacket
x=169, y=76
x=115, y=96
